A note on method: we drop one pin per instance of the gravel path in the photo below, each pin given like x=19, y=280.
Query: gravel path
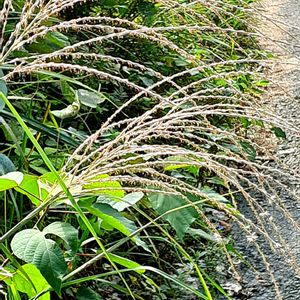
x=286, y=100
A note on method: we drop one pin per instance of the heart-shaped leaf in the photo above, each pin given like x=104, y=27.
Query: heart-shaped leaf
x=33, y=247
x=66, y=232
x=180, y=219
x=90, y=99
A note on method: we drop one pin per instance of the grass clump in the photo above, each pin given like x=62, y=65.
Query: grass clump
x=140, y=110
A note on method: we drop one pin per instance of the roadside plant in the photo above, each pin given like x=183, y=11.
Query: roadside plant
x=131, y=122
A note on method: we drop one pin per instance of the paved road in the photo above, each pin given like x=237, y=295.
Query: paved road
x=258, y=286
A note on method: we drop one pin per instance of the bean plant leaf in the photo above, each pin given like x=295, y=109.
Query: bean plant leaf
x=66, y=232
x=10, y=180
x=90, y=99
x=202, y=234
x=115, y=220
x=33, y=247
x=180, y=219
x=30, y=187
x=51, y=42
x=23, y=285
x=249, y=149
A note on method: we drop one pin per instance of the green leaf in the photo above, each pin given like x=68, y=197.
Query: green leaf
x=58, y=39
x=33, y=247
x=90, y=99
x=279, y=132
x=51, y=42
x=129, y=264
x=115, y=220
x=30, y=187
x=66, y=232
x=86, y=293
x=14, y=293
x=181, y=219
x=23, y=285
x=105, y=187
x=120, y=205
x=10, y=180
x=262, y=83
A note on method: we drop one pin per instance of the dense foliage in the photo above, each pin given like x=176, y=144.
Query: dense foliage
x=127, y=124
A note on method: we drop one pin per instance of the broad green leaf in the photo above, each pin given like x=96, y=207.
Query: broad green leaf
x=66, y=232
x=33, y=247
x=180, y=219
x=30, y=187
x=125, y=262
x=10, y=180
x=89, y=98
x=48, y=177
x=86, y=293
x=51, y=42
x=147, y=81
x=23, y=285
x=58, y=39
x=125, y=202
x=115, y=220
x=101, y=186
x=262, y=83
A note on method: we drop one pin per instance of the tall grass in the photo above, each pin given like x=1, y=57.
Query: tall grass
x=195, y=70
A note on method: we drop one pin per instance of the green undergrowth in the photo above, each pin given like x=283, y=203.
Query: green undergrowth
x=127, y=125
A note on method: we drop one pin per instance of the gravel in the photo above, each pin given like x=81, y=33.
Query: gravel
x=258, y=285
